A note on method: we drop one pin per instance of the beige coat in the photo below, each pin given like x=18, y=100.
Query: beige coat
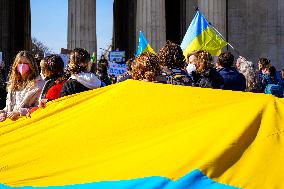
x=21, y=101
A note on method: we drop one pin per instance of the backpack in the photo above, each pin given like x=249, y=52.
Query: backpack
x=274, y=89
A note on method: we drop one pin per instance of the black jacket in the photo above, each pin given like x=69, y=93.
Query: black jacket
x=208, y=79
x=72, y=86
x=79, y=83
x=233, y=80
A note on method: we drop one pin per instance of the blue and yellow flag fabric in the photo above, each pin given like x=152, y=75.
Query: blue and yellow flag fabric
x=143, y=45
x=147, y=136
x=200, y=36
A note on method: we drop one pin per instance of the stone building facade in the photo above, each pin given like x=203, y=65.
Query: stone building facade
x=15, y=29
x=82, y=25
x=255, y=28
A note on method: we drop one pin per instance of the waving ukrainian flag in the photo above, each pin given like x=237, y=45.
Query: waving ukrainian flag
x=143, y=45
x=140, y=135
x=200, y=36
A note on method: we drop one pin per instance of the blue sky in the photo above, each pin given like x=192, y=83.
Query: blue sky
x=49, y=23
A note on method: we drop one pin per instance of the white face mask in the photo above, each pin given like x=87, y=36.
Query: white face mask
x=42, y=76
x=190, y=68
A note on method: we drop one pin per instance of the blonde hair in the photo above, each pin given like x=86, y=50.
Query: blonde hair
x=16, y=81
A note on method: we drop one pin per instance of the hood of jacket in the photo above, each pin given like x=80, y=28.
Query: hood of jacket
x=89, y=80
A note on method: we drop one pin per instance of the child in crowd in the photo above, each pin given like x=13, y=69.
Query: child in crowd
x=146, y=67
x=52, y=72
x=52, y=69
x=24, y=87
x=81, y=79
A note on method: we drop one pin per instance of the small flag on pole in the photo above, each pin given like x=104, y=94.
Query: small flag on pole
x=200, y=36
x=143, y=45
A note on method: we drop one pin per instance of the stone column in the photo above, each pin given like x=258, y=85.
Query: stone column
x=124, y=26
x=215, y=11
x=82, y=25
x=256, y=28
x=151, y=20
x=15, y=29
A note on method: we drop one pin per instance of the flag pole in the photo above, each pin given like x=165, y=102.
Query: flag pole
x=197, y=9
x=224, y=39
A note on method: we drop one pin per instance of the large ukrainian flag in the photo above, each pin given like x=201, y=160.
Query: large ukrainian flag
x=200, y=36
x=147, y=136
x=143, y=45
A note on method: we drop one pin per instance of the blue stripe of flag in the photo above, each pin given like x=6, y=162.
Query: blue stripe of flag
x=143, y=43
x=194, y=180
x=197, y=26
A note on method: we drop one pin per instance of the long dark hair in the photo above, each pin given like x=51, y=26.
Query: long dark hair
x=78, y=61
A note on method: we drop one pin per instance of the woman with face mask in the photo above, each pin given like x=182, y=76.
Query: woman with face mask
x=24, y=87
x=200, y=68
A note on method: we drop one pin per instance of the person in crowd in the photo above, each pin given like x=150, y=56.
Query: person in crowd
x=52, y=72
x=102, y=71
x=268, y=77
x=127, y=74
x=81, y=79
x=38, y=57
x=247, y=69
x=3, y=92
x=202, y=71
x=52, y=69
x=146, y=67
x=282, y=78
x=172, y=62
x=270, y=83
x=233, y=80
x=262, y=64
x=24, y=87
x=113, y=78
x=191, y=61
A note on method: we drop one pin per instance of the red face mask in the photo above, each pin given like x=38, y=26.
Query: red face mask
x=23, y=68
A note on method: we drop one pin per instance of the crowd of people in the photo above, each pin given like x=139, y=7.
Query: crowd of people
x=31, y=83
